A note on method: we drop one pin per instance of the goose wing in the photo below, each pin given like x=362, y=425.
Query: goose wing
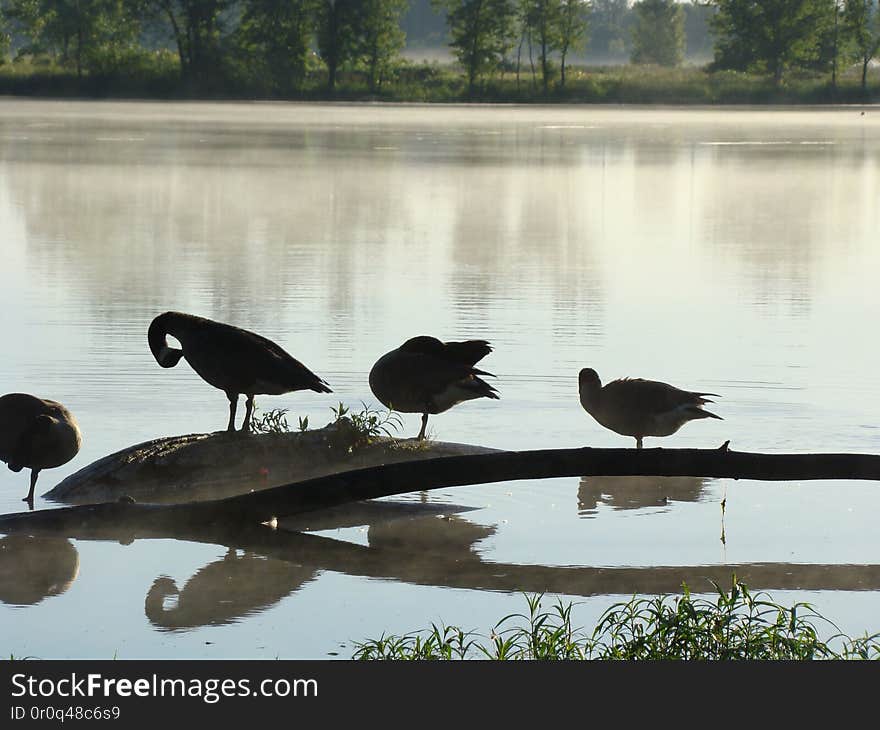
x=469, y=352
x=253, y=360
x=412, y=381
x=651, y=396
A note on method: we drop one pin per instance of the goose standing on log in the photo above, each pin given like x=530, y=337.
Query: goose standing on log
x=639, y=408
x=36, y=433
x=425, y=375
x=232, y=359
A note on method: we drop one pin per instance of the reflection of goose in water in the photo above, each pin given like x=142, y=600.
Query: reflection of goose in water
x=239, y=585
x=33, y=568
x=36, y=433
x=425, y=375
x=634, y=492
x=224, y=591
x=639, y=408
x=442, y=534
x=232, y=359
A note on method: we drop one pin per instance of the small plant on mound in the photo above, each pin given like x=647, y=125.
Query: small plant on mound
x=274, y=421
x=364, y=427
x=733, y=625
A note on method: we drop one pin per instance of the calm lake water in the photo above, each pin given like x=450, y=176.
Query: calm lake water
x=732, y=251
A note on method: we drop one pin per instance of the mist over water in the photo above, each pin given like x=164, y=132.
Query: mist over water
x=732, y=251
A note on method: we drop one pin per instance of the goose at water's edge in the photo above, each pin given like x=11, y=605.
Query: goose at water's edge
x=36, y=433
x=425, y=375
x=232, y=359
x=639, y=408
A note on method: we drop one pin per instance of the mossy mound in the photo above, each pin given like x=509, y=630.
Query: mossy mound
x=215, y=465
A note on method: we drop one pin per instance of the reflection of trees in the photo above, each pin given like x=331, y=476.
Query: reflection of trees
x=32, y=569
x=209, y=216
x=760, y=212
x=528, y=222
x=772, y=227
x=220, y=218
x=241, y=213
x=636, y=492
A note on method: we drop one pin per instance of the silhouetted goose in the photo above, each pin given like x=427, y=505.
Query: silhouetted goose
x=639, y=408
x=235, y=360
x=37, y=434
x=425, y=375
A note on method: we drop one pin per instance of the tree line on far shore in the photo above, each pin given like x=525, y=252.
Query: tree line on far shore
x=278, y=47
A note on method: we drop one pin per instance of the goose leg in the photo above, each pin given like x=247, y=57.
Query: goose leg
x=248, y=410
x=638, y=442
x=233, y=405
x=424, y=426
x=30, y=497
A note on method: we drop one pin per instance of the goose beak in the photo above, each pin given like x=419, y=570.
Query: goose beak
x=168, y=357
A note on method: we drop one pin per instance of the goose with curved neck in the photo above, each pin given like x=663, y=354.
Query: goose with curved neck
x=425, y=375
x=36, y=433
x=638, y=408
x=232, y=359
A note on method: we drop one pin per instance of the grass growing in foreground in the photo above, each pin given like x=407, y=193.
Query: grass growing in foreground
x=734, y=625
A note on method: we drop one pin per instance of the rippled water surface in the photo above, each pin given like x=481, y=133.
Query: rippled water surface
x=732, y=251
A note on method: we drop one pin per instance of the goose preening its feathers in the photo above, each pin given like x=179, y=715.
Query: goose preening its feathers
x=36, y=433
x=639, y=408
x=425, y=375
x=232, y=359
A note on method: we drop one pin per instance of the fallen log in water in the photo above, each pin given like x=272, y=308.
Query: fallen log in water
x=150, y=520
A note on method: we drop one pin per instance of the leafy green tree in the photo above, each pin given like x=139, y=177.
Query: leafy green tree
x=698, y=39
x=197, y=28
x=5, y=40
x=770, y=35
x=610, y=22
x=832, y=48
x=337, y=35
x=274, y=36
x=572, y=31
x=381, y=37
x=658, y=36
x=424, y=24
x=85, y=34
x=482, y=32
x=541, y=20
x=862, y=29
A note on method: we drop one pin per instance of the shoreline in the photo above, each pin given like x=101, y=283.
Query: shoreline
x=441, y=85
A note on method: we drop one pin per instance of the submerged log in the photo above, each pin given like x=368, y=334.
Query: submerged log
x=381, y=481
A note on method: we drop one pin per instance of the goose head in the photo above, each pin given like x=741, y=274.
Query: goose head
x=589, y=388
x=166, y=356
